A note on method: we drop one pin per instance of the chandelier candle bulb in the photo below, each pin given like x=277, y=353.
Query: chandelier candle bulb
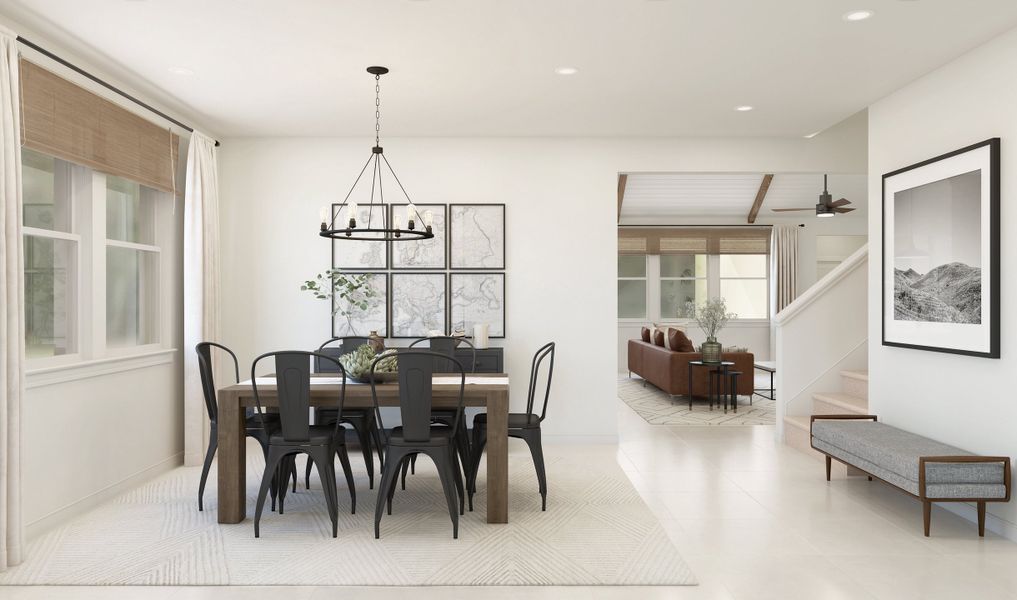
x=398, y=223
x=428, y=219
x=351, y=210
x=411, y=213
x=323, y=213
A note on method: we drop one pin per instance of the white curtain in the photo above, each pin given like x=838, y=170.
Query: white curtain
x=201, y=283
x=783, y=266
x=12, y=296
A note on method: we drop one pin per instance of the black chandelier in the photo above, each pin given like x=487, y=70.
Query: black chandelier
x=418, y=226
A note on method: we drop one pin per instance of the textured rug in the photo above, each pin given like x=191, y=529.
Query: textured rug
x=657, y=407
x=596, y=531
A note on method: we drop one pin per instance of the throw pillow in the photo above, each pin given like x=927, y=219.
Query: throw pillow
x=645, y=334
x=658, y=337
x=679, y=341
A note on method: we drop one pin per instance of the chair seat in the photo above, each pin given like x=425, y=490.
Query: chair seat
x=252, y=422
x=515, y=420
x=440, y=436
x=319, y=435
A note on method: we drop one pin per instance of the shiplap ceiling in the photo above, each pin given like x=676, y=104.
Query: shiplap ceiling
x=487, y=67
x=730, y=195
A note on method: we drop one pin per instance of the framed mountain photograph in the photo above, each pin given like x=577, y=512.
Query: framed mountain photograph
x=941, y=253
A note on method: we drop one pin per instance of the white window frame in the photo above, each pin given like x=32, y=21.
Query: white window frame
x=88, y=224
x=661, y=279
x=646, y=279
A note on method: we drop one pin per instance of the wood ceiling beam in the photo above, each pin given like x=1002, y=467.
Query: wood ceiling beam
x=622, y=180
x=764, y=185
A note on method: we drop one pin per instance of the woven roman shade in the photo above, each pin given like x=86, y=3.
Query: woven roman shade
x=64, y=120
x=693, y=240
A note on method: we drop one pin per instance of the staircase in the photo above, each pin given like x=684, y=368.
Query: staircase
x=853, y=399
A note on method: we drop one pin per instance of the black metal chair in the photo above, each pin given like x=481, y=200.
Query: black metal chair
x=296, y=436
x=418, y=435
x=254, y=427
x=447, y=346
x=524, y=426
x=360, y=419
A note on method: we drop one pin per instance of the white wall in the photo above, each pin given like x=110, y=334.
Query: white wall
x=561, y=197
x=964, y=401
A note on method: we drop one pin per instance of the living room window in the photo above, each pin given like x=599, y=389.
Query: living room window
x=743, y=284
x=632, y=286
x=683, y=279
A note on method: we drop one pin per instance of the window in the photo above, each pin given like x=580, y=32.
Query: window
x=92, y=256
x=632, y=286
x=683, y=279
x=743, y=284
x=52, y=248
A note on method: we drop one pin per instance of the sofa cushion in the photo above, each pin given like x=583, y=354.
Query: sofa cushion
x=658, y=337
x=644, y=333
x=898, y=451
x=679, y=341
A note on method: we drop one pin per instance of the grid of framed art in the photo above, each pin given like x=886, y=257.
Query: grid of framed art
x=449, y=282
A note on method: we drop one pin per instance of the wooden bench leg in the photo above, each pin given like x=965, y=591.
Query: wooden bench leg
x=927, y=515
x=829, y=464
x=981, y=519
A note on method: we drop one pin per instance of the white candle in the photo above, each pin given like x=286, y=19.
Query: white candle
x=480, y=335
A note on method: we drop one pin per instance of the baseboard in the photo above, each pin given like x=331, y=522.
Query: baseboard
x=997, y=525
x=78, y=507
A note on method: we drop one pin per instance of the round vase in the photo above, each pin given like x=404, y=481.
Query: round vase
x=712, y=350
x=376, y=341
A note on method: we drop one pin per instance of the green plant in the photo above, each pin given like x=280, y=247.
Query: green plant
x=711, y=316
x=358, y=362
x=351, y=294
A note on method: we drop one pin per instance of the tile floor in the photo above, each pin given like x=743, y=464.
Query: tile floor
x=754, y=520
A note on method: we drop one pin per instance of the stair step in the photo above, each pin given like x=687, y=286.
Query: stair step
x=860, y=375
x=832, y=403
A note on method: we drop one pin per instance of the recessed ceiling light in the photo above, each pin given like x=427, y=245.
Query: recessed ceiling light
x=743, y=108
x=857, y=15
x=566, y=70
x=180, y=71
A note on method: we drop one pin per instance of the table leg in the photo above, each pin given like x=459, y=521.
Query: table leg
x=497, y=457
x=690, y=386
x=232, y=459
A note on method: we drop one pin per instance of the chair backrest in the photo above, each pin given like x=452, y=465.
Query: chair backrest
x=293, y=389
x=204, y=351
x=416, y=371
x=447, y=345
x=545, y=351
x=336, y=347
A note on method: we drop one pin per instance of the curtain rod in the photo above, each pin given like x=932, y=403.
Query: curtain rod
x=691, y=226
x=104, y=84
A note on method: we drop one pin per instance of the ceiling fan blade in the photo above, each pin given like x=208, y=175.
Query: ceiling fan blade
x=842, y=210
x=841, y=202
x=812, y=208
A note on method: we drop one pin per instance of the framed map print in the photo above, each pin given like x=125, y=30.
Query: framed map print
x=366, y=310
x=418, y=304
x=478, y=298
x=359, y=254
x=421, y=254
x=477, y=236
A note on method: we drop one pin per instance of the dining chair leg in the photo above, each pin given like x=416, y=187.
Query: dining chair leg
x=378, y=444
x=271, y=468
x=532, y=439
x=282, y=477
x=406, y=467
x=325, y=463
x=307, y=472
x=213, y=444
x=344, y=459
x=443, y=460
x=413, y=467
x=400, y=468
x=362, y=429
x=389, y=477
x=457, y=478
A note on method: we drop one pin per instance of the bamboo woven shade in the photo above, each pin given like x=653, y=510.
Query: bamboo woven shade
x=67, y=121
x=689, y=240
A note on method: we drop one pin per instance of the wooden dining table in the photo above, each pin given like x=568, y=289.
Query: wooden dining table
x=488, y=390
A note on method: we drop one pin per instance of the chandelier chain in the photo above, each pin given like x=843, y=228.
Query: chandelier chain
x=377, y=110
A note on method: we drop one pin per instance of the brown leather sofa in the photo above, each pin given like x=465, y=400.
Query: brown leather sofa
x=669, y=370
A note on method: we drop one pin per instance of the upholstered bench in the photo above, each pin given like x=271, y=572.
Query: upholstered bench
x=926, y=469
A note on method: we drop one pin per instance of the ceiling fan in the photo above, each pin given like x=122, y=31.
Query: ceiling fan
x=826, y=207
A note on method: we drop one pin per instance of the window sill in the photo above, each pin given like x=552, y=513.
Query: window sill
x=51, y=375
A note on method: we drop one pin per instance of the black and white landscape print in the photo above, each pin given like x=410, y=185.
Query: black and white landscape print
x=937, y=251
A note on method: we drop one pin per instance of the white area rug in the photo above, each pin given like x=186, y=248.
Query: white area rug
x=596, y=530
x=658, y=408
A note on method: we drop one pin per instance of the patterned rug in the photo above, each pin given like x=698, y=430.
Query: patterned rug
x=658, y=408
x=596, y=531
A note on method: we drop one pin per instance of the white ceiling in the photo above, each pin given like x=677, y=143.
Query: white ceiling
x=681, y=196
x=486, y=67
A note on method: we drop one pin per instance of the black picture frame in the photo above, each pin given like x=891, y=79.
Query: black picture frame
x=443, y=232
x=504, y=301
x=388, y=296
x=393, y=277
x=451, y=240
x=989, y=202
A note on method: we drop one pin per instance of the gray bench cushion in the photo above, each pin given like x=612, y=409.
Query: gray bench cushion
x=892, y=454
